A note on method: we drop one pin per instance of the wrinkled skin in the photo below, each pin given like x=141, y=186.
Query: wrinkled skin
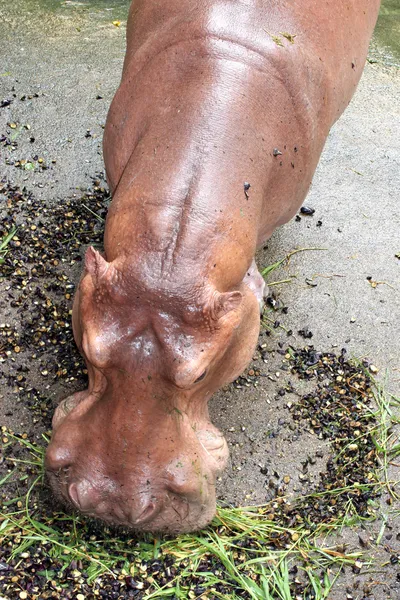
x=170, y=313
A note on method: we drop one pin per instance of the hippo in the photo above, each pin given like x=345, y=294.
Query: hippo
x=210, y=144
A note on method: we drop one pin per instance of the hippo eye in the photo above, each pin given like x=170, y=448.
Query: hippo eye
x=201, y=377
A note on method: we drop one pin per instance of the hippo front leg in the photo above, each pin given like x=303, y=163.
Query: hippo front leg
x=256, y=283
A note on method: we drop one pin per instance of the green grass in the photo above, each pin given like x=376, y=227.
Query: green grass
x=241, y=539
x=244, y=551
x=263, y=575
x=285, y=261
x=98, y=217
x=4, y=244
x=386, y=435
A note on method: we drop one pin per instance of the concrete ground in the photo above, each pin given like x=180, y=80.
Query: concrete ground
x=347, y=294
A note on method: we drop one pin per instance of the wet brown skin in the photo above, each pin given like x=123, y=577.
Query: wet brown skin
x=171, y=312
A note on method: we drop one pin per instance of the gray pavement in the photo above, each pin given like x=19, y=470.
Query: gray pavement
x=70, y=54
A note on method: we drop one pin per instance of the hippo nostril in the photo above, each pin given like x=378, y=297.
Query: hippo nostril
x=146, y=515
x=89, y=500
x=85, y=496
x=73, y=494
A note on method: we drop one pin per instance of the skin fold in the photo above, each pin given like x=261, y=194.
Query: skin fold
x=211, y=142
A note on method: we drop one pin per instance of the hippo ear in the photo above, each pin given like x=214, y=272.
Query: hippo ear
x=95, y=264
x=224, y=303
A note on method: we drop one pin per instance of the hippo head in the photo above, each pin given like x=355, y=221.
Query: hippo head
x=138, y=448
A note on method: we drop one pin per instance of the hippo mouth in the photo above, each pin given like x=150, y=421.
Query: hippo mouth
x=170, y=514
x=113, y=514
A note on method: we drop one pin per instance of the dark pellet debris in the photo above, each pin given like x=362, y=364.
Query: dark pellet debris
x=307, y=210
x=305, y=333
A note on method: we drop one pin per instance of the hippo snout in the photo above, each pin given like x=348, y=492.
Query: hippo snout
x=88, y=499
x=174, y=501
x=163, y=511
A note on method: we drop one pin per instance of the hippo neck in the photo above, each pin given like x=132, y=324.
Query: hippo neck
x=189, y=130
x=184, y=212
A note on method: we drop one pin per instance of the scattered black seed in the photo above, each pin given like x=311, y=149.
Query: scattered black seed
x=276, y=152
x=48, y=244
x=5, y=103
x=307, y=210
x=40, y=272
x=273, y=302
x=298, y=218
x=305, y=333
x=337, y=411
